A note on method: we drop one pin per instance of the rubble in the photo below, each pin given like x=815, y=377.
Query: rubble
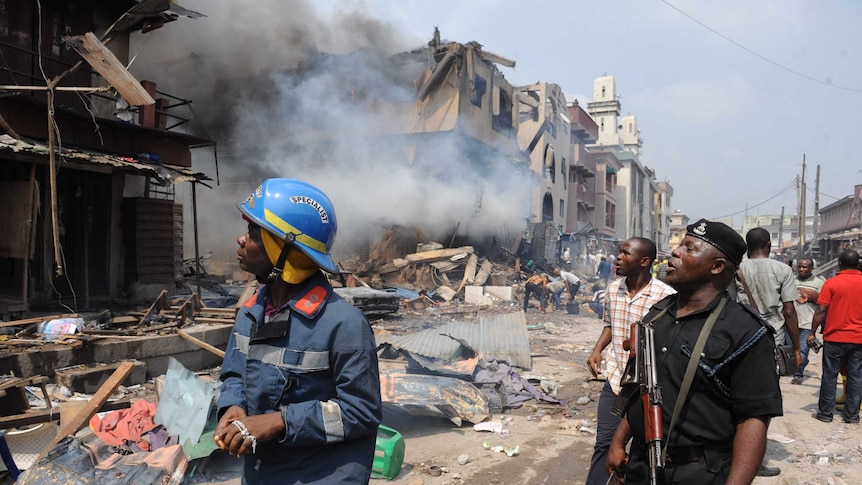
x=452, y=345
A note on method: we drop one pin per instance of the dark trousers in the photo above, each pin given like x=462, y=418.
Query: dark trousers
x=606, y=425
x=833, y=353
x=597, y=307
x=537, y=290
x=573, y=290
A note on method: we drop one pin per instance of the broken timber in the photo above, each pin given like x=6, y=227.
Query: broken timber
x=201, y=343
x=191, y=309
x=469, y=273
x=426, y=257
x=28, y=321
x=77, y=420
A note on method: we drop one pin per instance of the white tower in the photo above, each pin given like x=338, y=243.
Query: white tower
x=605, y=110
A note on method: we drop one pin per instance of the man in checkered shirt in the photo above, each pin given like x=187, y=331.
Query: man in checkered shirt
x=627, y=300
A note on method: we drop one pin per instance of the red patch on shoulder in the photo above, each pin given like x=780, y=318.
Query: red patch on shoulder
x=310, y=302
x=251, y=300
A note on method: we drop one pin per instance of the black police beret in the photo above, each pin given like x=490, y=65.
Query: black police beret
x=721, y=236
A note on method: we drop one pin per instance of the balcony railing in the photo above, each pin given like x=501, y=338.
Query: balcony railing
x=24, y=67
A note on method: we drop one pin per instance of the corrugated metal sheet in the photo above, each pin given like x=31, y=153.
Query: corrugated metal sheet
x=168, y=174
x=501, y=337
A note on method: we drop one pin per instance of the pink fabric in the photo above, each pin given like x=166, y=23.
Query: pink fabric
x=123, y=425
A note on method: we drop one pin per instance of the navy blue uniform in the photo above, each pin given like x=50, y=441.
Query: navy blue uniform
x=315, y=362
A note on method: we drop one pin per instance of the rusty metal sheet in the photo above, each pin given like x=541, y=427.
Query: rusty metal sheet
x=501, y=337
x=424, y=395
x=165, y=173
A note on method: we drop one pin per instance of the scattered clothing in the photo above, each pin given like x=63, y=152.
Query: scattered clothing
x=120, y=426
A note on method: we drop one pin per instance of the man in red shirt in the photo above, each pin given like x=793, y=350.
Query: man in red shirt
x=839, y=311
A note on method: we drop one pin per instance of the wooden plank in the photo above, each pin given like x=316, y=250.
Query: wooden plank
x=109, y=67
x=28, y=321
x=227, y=321
x=212, y=310
x=156, y=307
x=469, y=272
x=35, y=416
x=76, y=421
x=119, y=320
x=438, y=254
x=156, y=328
x=200, y=343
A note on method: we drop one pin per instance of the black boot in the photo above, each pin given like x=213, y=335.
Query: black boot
x=768, y=471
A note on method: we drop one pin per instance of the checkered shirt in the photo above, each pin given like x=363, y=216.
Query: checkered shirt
x=622, y=311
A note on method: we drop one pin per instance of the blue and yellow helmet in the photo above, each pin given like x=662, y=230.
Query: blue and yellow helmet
x=297, y=213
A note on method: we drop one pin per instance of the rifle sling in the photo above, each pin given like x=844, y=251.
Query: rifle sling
x=690, y=370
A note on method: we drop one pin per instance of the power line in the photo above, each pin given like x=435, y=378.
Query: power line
x=776, y=64
x=783, y=191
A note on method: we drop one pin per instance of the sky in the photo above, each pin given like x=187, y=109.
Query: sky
x=727, y=128
x=727, y=107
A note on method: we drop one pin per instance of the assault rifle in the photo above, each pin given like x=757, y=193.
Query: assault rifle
x=640, y=379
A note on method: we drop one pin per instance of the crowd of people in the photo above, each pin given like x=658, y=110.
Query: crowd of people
x=300, y=396
x=726, y=301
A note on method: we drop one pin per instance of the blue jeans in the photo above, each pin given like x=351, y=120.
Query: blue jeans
x=606, y=425
x=557, y=304
x=803, y=347
x=833, y=353
x=597, y=307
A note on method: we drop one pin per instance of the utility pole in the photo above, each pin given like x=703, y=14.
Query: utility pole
x=817, y=203
x=801, y=214
x=781, y=228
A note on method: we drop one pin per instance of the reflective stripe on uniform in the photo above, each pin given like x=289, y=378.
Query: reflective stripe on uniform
x=332, y=422
x=269, y=354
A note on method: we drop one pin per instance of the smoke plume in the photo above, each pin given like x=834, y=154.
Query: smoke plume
x=290, y=91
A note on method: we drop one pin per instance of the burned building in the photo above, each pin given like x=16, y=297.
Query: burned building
x=545, y=130
x=423, y=137
x=88, y=156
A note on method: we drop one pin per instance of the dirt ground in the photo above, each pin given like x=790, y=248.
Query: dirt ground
x=553, y=450
x=555, y=442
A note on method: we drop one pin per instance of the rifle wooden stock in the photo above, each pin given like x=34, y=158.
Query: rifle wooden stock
x=640, y=379
x=652, y=401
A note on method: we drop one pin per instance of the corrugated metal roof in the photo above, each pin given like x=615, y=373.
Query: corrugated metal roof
x=501, y=337
x=165, y=173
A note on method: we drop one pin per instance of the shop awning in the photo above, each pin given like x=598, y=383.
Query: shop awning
x=165, y=173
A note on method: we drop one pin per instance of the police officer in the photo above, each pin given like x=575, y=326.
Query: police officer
x=300, y=394
x=720, y=435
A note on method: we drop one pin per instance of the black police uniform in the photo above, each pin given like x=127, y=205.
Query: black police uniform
x=740, y=381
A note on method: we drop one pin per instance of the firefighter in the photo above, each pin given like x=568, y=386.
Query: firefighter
x=300, y=393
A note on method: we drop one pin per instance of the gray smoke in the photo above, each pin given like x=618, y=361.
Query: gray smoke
x=290, y=91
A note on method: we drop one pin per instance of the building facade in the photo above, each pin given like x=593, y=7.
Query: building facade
x=784, y=232
x=633, y=206
x=544, y=132
x=840, y=226
x=583, y=173
x=90, y=202
x=678, y=223
x=662, y=216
